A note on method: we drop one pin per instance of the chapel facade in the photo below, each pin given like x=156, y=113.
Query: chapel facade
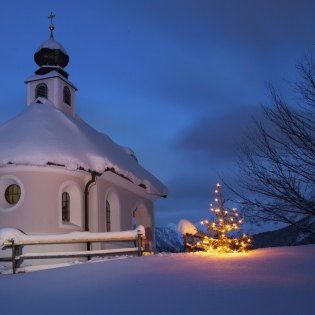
x=58, y=174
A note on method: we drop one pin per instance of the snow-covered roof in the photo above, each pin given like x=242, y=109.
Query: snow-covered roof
x=43, y=134
x=51, y=43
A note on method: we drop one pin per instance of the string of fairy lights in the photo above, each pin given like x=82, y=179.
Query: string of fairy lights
x=227, y=221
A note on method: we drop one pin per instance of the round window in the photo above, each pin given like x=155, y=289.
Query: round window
x=12, y=194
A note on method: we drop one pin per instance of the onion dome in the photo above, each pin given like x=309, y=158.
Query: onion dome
x=51, y=55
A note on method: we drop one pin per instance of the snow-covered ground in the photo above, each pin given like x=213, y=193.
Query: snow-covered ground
x=265, y=281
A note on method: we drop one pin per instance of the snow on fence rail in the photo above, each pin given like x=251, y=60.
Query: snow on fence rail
x=17, y=240
x=189, y=231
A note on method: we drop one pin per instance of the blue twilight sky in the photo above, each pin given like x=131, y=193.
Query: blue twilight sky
x=175, y=80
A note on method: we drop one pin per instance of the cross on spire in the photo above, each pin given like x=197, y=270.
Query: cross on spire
x=51, y=26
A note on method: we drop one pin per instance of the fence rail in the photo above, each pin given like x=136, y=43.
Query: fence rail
x=191, y=242
x=17, y=246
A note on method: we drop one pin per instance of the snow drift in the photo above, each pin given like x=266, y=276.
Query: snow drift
x=186, y=227
x=265, y=281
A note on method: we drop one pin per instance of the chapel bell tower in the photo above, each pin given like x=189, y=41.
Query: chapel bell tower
x=50, y=81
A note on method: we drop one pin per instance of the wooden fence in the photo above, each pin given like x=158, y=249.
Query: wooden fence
x=18, y=246
x=191, y=242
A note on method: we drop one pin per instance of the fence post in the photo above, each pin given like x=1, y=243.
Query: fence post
x=88, y=247
x=185, y=243
x=139, y=244
x=15, y=259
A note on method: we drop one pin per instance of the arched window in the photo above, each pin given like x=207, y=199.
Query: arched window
x=67, y=95
x=107, y=216
x=111, y=212
x=65, y=207
x=70, y=205
x=12, y=194
x=41, y=90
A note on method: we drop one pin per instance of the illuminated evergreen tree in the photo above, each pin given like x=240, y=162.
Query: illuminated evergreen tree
x=222, y=233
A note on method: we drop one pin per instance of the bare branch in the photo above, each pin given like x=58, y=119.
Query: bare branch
x=277, y=166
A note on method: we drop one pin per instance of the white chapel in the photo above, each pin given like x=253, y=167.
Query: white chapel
x=58, y=174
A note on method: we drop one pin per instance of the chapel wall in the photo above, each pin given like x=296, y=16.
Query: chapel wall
x=132, y=203
x=39, y=209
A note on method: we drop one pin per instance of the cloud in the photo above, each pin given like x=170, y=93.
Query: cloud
x=220, y=137
x=205, y=152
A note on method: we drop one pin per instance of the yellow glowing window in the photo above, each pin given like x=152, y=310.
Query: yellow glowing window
x=12, y=194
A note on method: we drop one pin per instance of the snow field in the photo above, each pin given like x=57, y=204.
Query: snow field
x=265, y=281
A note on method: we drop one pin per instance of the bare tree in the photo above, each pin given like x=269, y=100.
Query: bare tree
x=277, y=164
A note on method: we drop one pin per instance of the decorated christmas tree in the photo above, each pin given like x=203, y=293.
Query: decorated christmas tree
x=223, y=235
